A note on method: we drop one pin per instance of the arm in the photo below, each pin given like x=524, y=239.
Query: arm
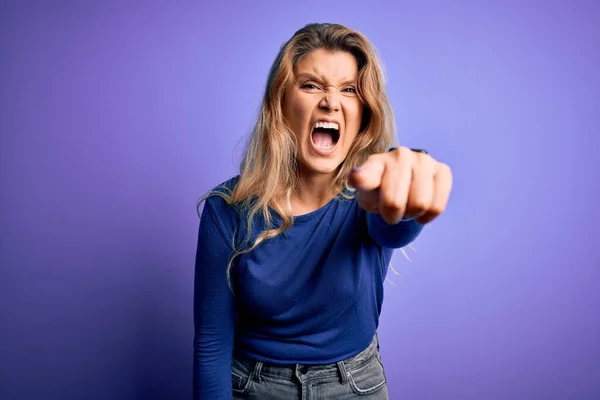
x=404, y=185
x=393, y=235
x=213, y=305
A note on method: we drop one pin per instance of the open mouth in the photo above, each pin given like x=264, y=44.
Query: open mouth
x=325, y=135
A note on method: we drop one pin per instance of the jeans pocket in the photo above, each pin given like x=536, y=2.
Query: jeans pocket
x=368, y=378
x=240, y=376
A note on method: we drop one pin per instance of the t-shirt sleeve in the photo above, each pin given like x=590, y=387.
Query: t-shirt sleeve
x=392, y=236
x=213, y=303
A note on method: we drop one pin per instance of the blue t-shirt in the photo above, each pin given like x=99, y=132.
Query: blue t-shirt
x=311, y=295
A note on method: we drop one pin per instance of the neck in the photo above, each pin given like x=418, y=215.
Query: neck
x=315, y=190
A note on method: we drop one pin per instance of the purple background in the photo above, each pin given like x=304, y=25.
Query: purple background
x=115, y=118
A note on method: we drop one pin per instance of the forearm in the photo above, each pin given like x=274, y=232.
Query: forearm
x=393, y=235
x=212, y=368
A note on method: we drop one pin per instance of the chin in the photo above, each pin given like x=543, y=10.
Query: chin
x=321, y=166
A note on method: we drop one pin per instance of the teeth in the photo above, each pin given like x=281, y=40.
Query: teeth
x=327, y=125
x=327, y=147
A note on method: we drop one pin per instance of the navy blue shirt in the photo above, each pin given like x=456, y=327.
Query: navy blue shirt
x=311, y=295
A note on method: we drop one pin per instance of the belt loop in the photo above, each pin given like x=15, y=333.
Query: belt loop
x=377, y=339
x=256, y=372
x=343, y=372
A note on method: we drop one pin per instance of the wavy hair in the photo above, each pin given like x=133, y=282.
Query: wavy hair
x=269, y=169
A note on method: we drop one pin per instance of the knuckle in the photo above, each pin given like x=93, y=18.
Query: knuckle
x=437, y=209
x=429, y=162
x=405, y=151
x=392, y=206
x=390, y=203
x=402, y=154
x=420, y=205
x=444, y=169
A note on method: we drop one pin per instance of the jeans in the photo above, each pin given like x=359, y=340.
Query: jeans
x=358, y=377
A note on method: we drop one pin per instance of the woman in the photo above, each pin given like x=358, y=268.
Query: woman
x=292, y=253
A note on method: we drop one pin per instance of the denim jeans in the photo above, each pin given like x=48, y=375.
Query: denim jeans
x=358, y=377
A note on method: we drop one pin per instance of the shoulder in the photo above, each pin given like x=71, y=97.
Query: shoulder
x=215, y=202
x=225, y=187
x=229, y=183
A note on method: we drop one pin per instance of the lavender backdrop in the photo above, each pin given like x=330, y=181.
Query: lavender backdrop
x=116, y=117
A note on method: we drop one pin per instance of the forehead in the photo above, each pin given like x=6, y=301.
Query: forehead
x=331, y=66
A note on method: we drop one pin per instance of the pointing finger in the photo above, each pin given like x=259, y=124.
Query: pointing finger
x=367, y=176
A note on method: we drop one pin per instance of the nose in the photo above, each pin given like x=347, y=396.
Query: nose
x=330, y=101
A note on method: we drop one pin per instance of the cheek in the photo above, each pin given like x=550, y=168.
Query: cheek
x=297, y=113
x=354, y=116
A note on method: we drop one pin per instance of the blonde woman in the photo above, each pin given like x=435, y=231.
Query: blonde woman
x=292, y=253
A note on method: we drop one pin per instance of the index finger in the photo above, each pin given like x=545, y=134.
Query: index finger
x=367, y=176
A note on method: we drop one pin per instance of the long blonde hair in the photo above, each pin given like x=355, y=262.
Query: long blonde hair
x=269, y=170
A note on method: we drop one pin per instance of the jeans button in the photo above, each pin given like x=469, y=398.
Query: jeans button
x=303, y=369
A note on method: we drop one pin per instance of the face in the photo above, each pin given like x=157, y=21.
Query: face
x=323, y=109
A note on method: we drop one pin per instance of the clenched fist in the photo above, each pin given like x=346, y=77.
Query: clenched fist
x=401, y=184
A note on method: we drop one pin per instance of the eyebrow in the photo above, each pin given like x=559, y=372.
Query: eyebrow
x=316, y=78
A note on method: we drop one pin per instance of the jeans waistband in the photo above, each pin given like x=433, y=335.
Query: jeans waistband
x=306, y=371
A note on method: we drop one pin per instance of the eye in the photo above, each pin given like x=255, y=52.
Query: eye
x=350, y=92
x=309, y=86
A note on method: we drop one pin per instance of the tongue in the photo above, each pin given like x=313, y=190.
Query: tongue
x=322, y=138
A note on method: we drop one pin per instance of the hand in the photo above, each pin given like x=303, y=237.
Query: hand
x=402, y=184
